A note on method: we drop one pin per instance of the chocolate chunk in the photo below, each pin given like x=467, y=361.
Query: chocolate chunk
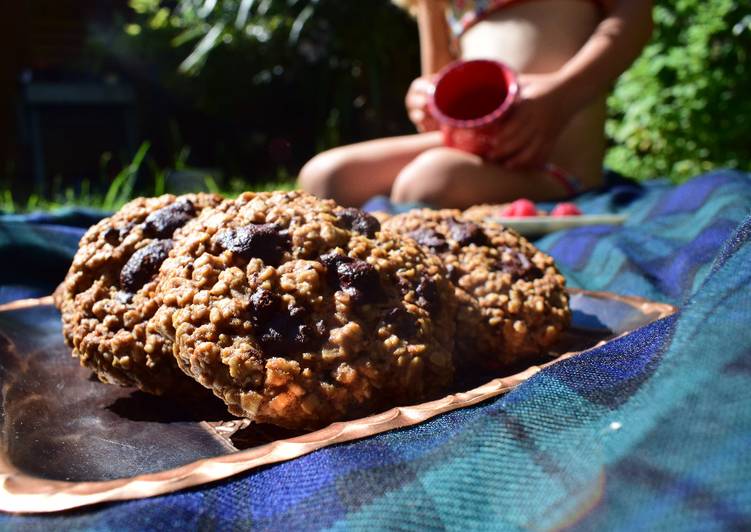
x=466, y=233
x=288, y=333
x=273, y=338
x=518, y=265
x=360, y=280
x=404, y=324
x=263, y=305
x=264, y=241
x=112, y=236
x=430, y=238
x=332, y=261
x=283, y=331
x=143, y=265
x=306, y=338
x=164, y=222
x=298, y=313
x=115, y=236
x=359, y=221
x=455, y=273
x=427, y=294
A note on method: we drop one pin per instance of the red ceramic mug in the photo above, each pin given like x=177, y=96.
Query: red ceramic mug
x=469, y=102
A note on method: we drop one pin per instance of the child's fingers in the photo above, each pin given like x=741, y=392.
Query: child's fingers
x=509, y=145
x=528, y=156
x=423, y=85
x=511, y=129
x=423, y=121
x=417, y=101
x=420, y=88
x=416, y=116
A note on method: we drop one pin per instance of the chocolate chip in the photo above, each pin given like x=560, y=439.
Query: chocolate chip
x=427, y=294
x=404, y=324
x=518, y=265
x=143, y=265
x=430, y=238
x=466, y=233
x=281, y=330
x=263, y=304
x=356, y=277
x=273, y=340
x=455, y=273
x=298, y=312
x=288, y=333
x=360, y=280
x=359, y=221
x=306, y=337
x=112, y=236
x=264, y=241
x=115, y=236
x=332, y=261
x=164, y=222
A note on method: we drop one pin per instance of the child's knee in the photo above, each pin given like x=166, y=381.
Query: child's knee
x=321, y=174
x=431, y=178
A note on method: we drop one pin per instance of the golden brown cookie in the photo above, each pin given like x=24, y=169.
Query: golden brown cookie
x=381, y=216
x=108, y=294
x=513, y=305
x=480, y=213
x=298, y=312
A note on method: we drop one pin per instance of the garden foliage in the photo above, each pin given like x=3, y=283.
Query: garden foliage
x=685, y=105
x=270, y=82
x=341, y=68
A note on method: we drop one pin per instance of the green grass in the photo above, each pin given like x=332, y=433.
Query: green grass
x=123, y=188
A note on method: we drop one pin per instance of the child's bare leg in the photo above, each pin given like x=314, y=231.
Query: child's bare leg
x=353, y=174
x=445, y=177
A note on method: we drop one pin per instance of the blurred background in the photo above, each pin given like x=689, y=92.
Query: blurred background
x=101, y=100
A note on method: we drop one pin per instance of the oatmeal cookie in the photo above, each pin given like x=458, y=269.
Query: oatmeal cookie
x=298, y=312
x=480, y=213
x=108, y=294
x=512, y=300
x=381, y=216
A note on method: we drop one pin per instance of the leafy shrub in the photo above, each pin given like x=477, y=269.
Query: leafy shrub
x=260, y=85
x=341, y=68
x=685, y=105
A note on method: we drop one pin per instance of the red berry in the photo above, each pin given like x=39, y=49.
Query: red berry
x=519, y=209
x=565, y=209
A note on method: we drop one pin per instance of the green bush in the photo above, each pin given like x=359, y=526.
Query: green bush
x=259, y=86
x=341, y=68
x=685, y=105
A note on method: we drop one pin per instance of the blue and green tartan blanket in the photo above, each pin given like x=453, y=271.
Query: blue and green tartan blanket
x=652, y=431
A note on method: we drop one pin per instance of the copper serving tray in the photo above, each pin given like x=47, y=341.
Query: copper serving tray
x=69, y=441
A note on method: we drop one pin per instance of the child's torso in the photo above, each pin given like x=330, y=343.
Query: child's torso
x=532, y=36
x=463, y=14
x=538, y=37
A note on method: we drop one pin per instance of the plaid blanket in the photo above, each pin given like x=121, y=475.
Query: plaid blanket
x=652, y=431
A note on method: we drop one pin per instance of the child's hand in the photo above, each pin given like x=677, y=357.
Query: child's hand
x=416, y=102
x=533, y=124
